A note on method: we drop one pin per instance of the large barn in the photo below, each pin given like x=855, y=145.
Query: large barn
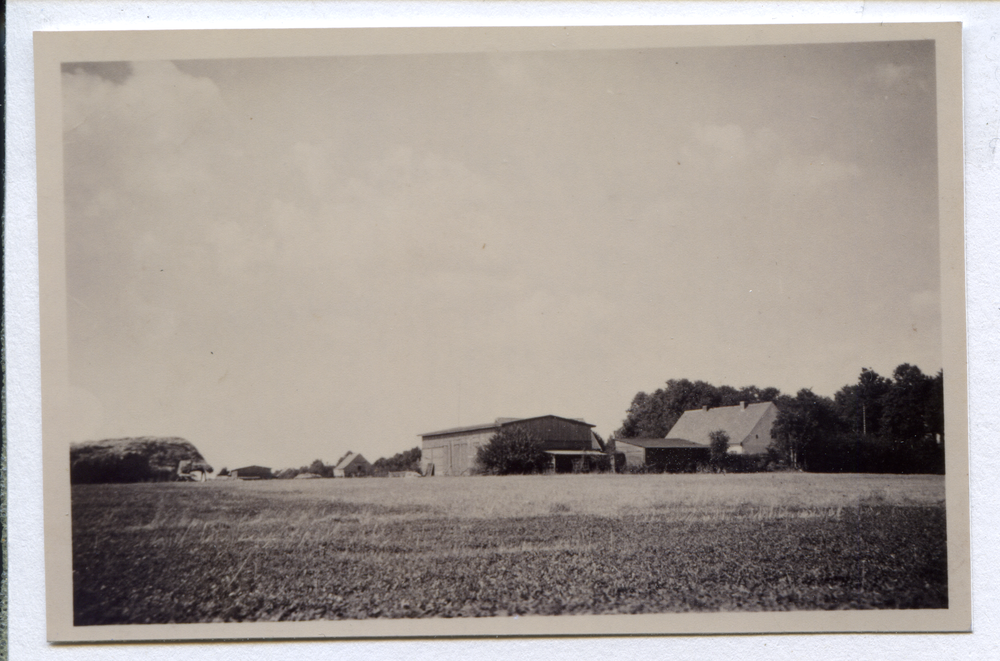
x=571, y=443
x=687, y=443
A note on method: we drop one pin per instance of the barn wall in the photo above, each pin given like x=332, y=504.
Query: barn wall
x=453, y=454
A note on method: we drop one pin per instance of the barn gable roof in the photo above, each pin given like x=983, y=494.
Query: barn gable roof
x=349, y=459
x=736, y=421
x=501, y=422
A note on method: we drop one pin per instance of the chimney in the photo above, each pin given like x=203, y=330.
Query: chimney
x=705, y=407
x=743, y=405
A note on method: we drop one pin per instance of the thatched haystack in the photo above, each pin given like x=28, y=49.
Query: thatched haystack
x=144, y=459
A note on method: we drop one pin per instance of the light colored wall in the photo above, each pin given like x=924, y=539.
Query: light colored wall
x=759, y=438
x=634, y=455
x=454, y=454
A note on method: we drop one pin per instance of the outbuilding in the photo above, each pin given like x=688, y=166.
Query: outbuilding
x=688, y=443
x=352, y=465
x=251, y=473
x=671, y=455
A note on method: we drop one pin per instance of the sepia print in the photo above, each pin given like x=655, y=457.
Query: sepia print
x=495, y=331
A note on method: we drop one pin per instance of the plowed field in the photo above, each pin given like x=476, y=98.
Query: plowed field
x=473, y=547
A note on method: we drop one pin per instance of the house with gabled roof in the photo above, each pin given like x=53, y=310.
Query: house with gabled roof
x=687, y=444
x=747, y=425
x=570, y=443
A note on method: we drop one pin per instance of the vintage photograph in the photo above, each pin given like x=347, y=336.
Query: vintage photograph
x=519, y=331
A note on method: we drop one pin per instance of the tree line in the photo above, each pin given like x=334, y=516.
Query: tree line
x=401, y=461
x=876, y=425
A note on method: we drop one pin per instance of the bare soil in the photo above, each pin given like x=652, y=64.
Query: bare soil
x=473, y=547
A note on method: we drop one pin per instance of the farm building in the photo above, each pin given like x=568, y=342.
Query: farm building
x=687, y=443
x=571, y=443
x=672, y=455
x=352, y=465
x=748, y=426
x=251, y=473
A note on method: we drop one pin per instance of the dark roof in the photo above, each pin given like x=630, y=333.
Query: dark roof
x=660, y=443
x=576, y=453
x=734, y=420
x=251, y=469
x=455, y=430
x=500, y=422
x=578, y=421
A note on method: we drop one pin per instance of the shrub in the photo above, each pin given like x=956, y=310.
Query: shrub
x=719, y=446
x=512, y=451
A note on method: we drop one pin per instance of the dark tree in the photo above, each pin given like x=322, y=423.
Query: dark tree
x=653, y=415
x=806, y=429
x=934, y=413
x=402, y=461
x=905, y=405
x=319, y=468
x=718, y=447
x=860, y=405
x=512, y=451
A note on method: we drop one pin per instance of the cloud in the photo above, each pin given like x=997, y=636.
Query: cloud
x=157, y=107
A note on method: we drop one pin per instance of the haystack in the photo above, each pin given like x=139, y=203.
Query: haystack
x=143, y=459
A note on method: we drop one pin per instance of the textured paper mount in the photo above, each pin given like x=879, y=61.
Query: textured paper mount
x=54, y=48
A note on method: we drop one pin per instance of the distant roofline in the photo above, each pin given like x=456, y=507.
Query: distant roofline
x=501, y=422
x=660, y=443
x=727, y=406
x=456, y=430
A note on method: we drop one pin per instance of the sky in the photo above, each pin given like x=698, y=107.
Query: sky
x=285, y=259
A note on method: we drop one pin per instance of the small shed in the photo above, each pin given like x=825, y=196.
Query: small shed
x=671, y=455
x=352, y=465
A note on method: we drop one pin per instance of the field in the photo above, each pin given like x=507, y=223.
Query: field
x=492, y=546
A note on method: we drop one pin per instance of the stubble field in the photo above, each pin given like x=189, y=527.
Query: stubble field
x=493, y=546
